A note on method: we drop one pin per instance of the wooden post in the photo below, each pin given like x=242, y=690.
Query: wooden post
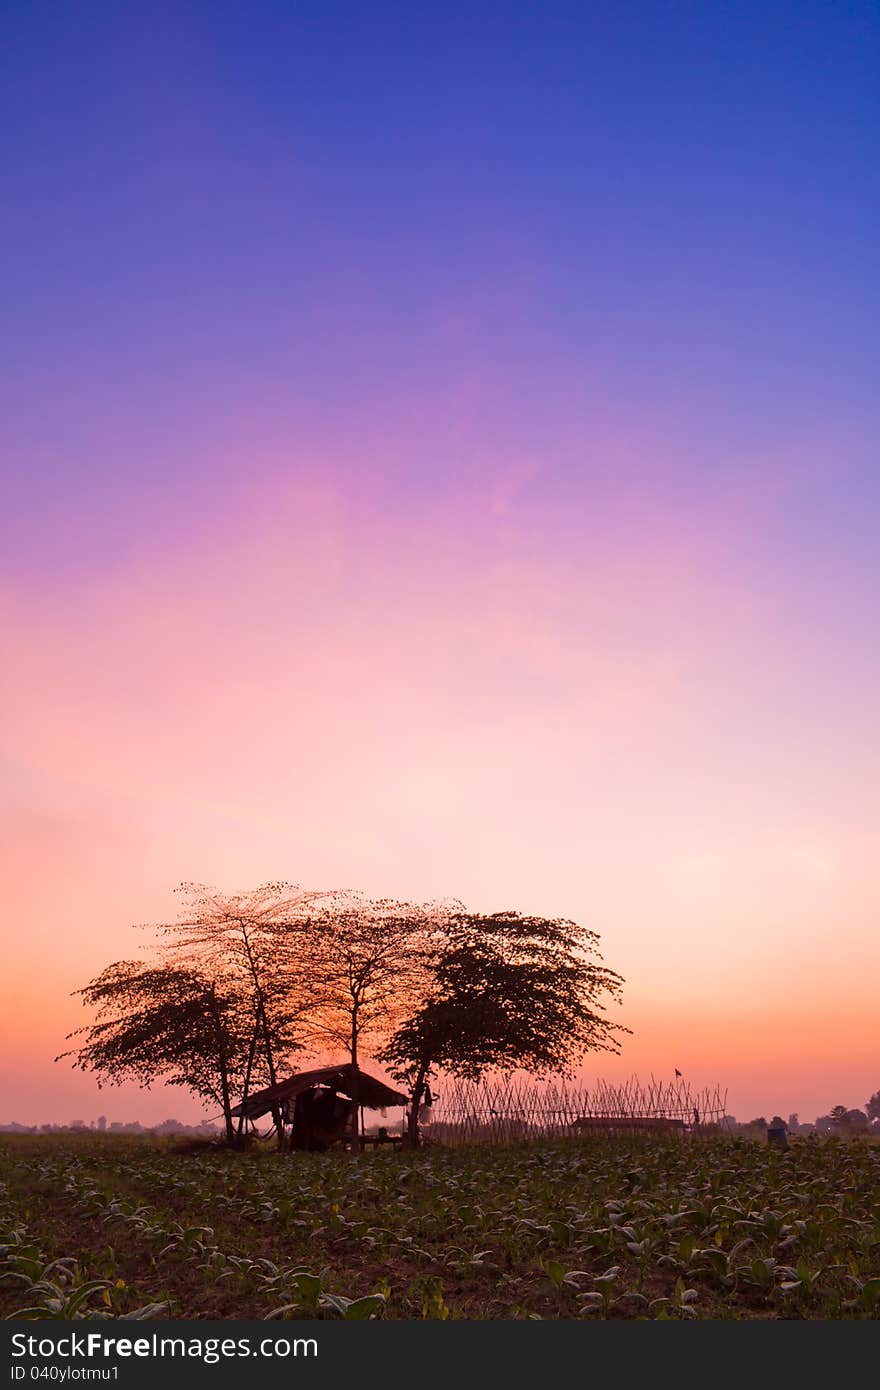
x=356, y=1106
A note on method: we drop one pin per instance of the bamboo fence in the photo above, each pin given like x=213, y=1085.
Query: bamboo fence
x=501, y=1109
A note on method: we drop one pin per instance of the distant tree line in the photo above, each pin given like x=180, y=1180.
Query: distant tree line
x=116, y=1127
x=840, y=1121
x=242, y=983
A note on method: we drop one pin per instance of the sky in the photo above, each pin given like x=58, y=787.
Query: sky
x=439, y=459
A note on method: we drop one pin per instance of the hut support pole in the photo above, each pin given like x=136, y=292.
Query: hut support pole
x=356, y=1111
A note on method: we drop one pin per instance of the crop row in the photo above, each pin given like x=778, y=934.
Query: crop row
x=608, y=1228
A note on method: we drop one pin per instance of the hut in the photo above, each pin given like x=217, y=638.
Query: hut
x=324, y=1106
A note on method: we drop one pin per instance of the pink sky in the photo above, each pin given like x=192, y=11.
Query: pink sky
x=464, y=694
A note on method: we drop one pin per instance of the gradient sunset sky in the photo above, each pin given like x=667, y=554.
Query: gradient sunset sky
x=440, y=459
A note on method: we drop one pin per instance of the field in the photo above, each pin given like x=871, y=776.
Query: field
x=606, y=1227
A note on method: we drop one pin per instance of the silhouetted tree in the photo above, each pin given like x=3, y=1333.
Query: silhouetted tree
x=368, y=958
x=219, y=1009
x=853, y=1122
x=504, y=992
x=162, y=1021
x=872, y=1107
x=252, y=938
x=842, y=1122
x=258, y=941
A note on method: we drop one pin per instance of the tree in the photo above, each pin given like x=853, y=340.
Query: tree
x=368, y=958
x=219, y=1008
x=257, y=941
x=872, y=1107
x=164, y=1021
x=504, y=992
x=854, y=1122
x=842, y=1121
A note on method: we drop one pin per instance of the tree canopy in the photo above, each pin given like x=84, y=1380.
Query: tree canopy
x=369, y=959
x=218, y=1008
x=166, y=1021
x=253, y=942
x=506, y=992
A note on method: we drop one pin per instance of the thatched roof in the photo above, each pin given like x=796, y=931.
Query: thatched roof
x=371, y=1092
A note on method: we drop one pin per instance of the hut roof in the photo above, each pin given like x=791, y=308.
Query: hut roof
x=371, y=1092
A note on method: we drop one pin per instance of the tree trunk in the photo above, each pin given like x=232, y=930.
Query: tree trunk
x=418, y=1090
x=223, y=1064
x=247, y=1073
x=355, y=1087
x=355, y=1113
x=267, y=1038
